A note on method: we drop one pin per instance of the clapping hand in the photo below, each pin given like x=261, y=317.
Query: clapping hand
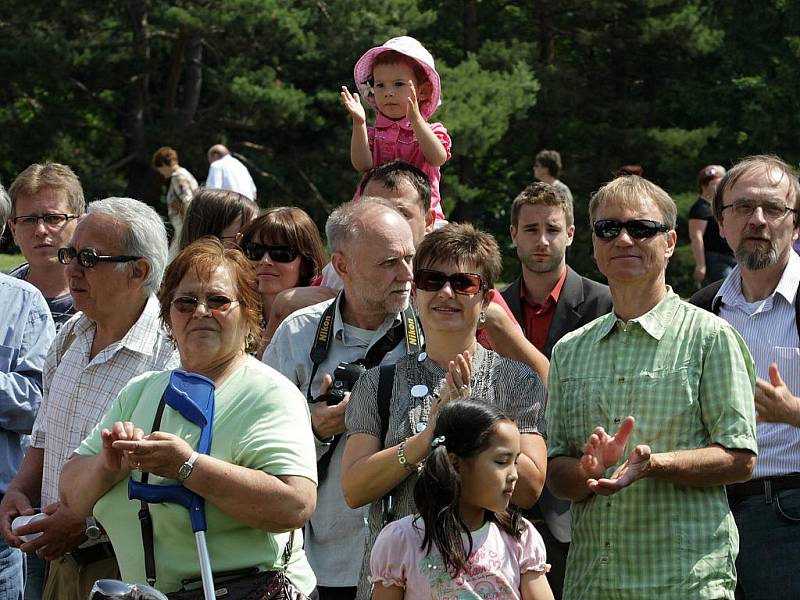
x=603, y=450
x=353, y=105
x=412, y=106
x=775, y=402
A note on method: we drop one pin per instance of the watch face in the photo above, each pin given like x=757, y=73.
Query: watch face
x=184, y=471
x=93, y=532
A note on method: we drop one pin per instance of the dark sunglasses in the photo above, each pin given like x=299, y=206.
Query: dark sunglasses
x=428, y=280
x=88, y=257
x=189, y=304
x=278, y=254
x=609, y=229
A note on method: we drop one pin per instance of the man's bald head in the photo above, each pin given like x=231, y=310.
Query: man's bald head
x=216, y=152
x=354, y=219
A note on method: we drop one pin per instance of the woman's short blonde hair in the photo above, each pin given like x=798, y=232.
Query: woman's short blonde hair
x=203, y=256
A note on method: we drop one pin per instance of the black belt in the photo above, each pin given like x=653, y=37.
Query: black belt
x=764, y=486
x=91, y=554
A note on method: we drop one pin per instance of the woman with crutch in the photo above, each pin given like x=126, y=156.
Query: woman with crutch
x=258, y=479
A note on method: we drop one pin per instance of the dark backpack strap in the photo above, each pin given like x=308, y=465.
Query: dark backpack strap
x=797, y=310
x=385, y=384
x=704, y=298
x=145, y=518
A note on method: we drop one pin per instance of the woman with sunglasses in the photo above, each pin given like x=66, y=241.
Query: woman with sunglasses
x=285, y=248
x=258, y=480
x=454, y=270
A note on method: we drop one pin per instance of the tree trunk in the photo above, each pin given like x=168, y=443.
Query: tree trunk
x=140, y=175
x=471, y=37
x=194, y=79
x=175, y=69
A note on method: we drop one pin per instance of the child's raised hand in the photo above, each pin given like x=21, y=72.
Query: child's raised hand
x=353, y=105
x=412, y=107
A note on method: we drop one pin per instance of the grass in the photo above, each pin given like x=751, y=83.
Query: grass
x=9, y=261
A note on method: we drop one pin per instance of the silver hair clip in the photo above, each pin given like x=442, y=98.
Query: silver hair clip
x=437, y=441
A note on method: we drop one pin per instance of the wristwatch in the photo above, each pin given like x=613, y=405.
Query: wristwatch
x=92, y=529
x=186, y=468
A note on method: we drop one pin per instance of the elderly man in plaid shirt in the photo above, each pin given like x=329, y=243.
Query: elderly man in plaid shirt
x=116, y=259
x=650, y=415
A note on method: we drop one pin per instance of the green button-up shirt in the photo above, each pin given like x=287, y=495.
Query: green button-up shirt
x=688, y=378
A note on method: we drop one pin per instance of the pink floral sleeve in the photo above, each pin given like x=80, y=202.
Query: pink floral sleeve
x=394, y=554
x=533, y=556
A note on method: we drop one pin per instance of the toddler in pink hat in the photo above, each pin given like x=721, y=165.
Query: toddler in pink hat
x=399, y=80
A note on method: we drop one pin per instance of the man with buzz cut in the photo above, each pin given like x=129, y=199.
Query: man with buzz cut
x=756, y=205
x=368, y=323
x=46, y=202
x=649, y=415
x=549, y=300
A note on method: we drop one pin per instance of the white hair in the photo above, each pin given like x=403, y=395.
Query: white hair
x=5, y=208
x=146, y=235
x=346, y=222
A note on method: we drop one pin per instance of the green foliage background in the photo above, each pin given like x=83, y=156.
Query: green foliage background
x=668, y=84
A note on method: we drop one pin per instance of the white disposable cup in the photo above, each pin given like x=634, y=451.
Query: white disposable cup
x=24, y=520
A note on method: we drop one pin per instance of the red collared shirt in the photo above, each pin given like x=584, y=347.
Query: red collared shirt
x=538, y=317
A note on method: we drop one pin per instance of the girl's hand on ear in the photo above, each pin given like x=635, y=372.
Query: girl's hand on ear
x=412, y=107
x=353, y=105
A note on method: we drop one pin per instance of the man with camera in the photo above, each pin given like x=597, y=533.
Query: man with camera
x=323, y=348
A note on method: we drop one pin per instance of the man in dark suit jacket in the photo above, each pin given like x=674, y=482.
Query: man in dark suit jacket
x=549, y=300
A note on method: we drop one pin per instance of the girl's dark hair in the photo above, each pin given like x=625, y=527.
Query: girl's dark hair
x=467, y=426
x=211, y=211
x=290, y=226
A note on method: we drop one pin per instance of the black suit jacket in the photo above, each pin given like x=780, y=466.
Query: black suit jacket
x=581, y=301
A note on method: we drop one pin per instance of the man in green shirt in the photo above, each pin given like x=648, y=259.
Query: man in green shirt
x=650, y=415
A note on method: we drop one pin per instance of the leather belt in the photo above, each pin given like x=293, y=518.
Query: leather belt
x=91, y=554
x=764, y=486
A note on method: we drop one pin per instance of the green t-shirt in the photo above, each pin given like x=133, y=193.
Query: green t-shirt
x=261, y=422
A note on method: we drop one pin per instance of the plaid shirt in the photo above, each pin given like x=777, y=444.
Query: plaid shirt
x=78, y=391
x=688, y=379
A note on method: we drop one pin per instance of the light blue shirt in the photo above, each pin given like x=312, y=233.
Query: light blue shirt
x=26, y=332
x=770, y=330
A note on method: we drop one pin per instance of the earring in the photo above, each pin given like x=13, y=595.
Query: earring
x=482, y=318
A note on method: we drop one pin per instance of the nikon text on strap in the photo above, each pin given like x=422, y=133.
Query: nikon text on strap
x=408, y=328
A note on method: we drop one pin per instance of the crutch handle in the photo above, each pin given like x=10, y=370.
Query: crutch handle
x=154, y=494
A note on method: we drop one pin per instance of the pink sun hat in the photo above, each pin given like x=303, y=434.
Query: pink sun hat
x=407, y=46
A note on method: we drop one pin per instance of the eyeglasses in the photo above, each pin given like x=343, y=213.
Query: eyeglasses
x=215, y=303
x=609, y=229
x=772, y=210
x=51, y=220
x=278, y=254
x=428, y=280
x=89, y=258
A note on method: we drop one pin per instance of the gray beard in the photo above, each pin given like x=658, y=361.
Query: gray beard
x=758, y=259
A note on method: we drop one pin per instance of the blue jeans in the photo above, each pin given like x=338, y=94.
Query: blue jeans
x=12, y=572
x=769, y=546
x=34, y=581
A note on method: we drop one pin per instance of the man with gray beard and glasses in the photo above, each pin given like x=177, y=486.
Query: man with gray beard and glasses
x=368, y=323
x=756, y=205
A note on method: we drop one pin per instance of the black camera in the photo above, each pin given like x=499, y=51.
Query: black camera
x=344, y=378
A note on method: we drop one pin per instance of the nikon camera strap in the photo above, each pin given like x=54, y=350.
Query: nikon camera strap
x=408, y=328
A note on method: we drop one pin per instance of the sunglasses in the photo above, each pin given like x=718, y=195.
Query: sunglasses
x=215, y=303
x=88, y=257
x=278, y=254
x=609, y=229
x=428, y=280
